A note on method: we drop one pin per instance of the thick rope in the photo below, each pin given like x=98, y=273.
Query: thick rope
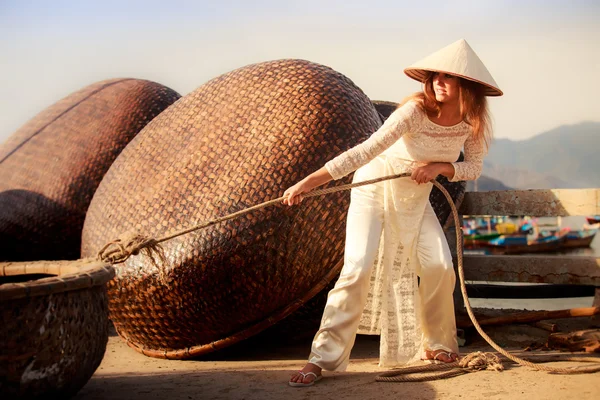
x=120, y=250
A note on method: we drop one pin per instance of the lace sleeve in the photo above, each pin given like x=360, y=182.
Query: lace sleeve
x=470, y=168
x=402, y=120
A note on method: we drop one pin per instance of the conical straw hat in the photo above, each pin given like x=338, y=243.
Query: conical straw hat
x=456, y=59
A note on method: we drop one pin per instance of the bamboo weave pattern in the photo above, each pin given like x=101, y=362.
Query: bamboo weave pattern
x=51, y=167
x=236, y=141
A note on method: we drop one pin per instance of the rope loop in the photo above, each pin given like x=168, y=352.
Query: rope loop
x=480, y=361
x=119, y=250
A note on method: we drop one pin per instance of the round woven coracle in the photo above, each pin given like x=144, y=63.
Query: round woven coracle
x=237, y=141
x=54, y=326
x=385, y=108
x=51, y=167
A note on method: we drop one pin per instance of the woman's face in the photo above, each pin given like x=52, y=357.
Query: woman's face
x=446, y=87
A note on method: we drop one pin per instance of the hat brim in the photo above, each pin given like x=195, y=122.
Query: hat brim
x=419, y=74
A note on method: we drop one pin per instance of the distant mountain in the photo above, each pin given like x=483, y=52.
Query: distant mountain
x=565, y=157
x=526, y=179
x=485, y=184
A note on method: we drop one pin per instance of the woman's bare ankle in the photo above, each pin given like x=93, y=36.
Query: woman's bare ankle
x=310, y=367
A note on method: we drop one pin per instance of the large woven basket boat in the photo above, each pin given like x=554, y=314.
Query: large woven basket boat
x=51, y=167
x=238, y=140
x=54, y=326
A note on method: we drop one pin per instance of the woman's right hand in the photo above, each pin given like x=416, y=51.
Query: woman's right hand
x=293, y=194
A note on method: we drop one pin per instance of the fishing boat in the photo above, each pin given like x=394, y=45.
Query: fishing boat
x=579, y=238
x=594, y=219
x=476, y=241
x=478, y=238
x=505, y=245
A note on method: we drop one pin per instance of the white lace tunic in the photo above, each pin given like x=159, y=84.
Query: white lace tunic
x=415, y=137
x=406, y=138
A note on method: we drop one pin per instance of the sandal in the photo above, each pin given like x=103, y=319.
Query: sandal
x=304, y=375
x=435, y=360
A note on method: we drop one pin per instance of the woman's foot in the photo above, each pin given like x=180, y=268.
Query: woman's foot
x=307, y=376
x=440, y=356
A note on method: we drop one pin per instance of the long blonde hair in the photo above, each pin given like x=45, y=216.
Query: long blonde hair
x=472, y=102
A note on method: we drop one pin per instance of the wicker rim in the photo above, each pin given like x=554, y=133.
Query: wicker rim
x=269, y=321
x=40, y=130
x=70, y=275
x=385, y=103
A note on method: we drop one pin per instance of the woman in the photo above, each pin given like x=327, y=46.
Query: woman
x=392, y=233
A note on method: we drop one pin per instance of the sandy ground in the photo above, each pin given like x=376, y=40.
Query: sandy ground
x=260, y=367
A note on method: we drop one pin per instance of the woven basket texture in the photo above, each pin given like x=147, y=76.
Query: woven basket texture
x=54, y=330
x=238, y=140
x=51, y=167
x=385, y=108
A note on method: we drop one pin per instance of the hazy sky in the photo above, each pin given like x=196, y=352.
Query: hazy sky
x=544, y=55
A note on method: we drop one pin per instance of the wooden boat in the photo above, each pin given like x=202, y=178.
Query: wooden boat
x=480, y=240
x=511, y=239
x=579, y=238
x=485, y=236
x=474, y=242
x=595, y=219
x=505, y=245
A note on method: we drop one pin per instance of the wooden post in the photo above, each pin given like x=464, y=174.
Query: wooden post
x=596, y=303
x=532, y=316
x=459, y=304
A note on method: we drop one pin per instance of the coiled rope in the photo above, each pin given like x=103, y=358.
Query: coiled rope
x=121, y=249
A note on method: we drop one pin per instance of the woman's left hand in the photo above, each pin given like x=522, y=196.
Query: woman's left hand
x=426, y=173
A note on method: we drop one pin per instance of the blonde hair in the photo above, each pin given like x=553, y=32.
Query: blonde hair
x=472, y=102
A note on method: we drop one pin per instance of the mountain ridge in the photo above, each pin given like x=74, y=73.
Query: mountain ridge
x=563, y=157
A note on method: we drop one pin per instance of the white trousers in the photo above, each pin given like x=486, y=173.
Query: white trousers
x=334, y=340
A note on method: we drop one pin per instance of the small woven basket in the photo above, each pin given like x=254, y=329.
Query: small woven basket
x=54, y=328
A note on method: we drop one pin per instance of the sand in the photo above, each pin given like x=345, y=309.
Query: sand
x=260, y=367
